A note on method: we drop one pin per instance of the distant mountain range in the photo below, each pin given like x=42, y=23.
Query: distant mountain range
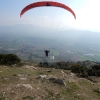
x=75, y=37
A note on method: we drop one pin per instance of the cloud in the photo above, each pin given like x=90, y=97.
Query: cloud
x=45, y=17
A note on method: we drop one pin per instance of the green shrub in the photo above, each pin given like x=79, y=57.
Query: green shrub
x=8, y=59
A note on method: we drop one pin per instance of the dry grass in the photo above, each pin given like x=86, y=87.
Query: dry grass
x=42, y=89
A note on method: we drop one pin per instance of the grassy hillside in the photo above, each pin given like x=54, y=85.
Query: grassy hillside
x=24, y=83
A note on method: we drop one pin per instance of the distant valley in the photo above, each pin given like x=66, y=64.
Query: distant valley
x=69, y=45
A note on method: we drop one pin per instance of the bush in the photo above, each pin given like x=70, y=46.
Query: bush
x=85, y=72
x=8, y=59
x=80, y=70
x=96, y=67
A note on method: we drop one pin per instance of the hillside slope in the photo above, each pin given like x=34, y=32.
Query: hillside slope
x=30, y=82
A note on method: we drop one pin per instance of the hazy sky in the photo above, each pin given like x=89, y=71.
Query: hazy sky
x=87, y=14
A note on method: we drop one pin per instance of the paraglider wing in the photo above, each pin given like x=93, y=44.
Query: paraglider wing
x=48, y=4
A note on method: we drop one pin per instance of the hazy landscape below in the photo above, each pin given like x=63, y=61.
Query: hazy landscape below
x=29, y=42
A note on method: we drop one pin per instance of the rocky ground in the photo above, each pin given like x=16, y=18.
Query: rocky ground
x=30, y=82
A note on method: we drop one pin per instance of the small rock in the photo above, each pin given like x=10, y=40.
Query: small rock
x=48, y=70
x=19, y=75
x=12, y=92
x=63, y=72
x=78, y=94
x=24, y=79
x=71, y=74
x=3, y=93
x=5, y=66
x=5, y=78
x=42, y=76
x=60, y=81
x=28, y=86
x=13, y=65
x=99, y=90
x=33, y=67
x=22, y=75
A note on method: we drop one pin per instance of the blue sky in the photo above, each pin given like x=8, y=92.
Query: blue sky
x=87, y=14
